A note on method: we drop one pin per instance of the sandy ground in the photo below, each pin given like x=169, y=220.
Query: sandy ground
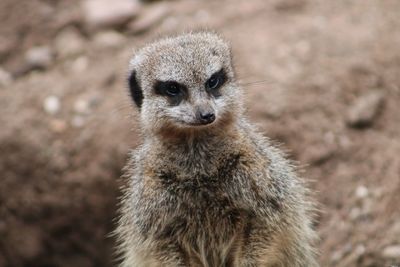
x=309, y=67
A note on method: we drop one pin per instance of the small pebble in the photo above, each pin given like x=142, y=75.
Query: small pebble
x=109, y=39
x=80, y=64
x=361, y=192
x=102, y=14
x=341, y=252
x=336, y=256
x=78, y=121
x=359, y=250
x=392, y=252
x=39, y=57
x=355, y=213
x=5, y=78
x=51, y=105
x=365, y=109
x=149, y=18
x=69, y=42
x=81, y=106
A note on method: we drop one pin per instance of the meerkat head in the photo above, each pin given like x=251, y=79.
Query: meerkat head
x=185, y=83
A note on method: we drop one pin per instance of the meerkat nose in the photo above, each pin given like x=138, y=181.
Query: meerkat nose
x=207, y=117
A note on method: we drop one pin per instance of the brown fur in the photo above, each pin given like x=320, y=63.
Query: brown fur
x=213, y=195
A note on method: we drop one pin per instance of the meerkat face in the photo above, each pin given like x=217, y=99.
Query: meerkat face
x=186, y=82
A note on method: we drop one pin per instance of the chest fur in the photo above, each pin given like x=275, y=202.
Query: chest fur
x=203, y=207
x=199, y=207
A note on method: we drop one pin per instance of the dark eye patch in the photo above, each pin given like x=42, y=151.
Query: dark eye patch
x=135, y=89
x=171, y=89
x=215, y=82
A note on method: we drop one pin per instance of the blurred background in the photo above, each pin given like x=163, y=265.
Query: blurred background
x=321, y=77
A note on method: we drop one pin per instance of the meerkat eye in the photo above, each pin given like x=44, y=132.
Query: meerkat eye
x=216, y=80
x=169, y=88
x=172, y=90
x=213, y=82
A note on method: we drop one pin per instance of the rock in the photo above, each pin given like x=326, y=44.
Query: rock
x=82, y=106
x=80, y=64
x=39, y=57
x=320, y=154
x=361, y=192
x=336, y=256
x=51, y=105
x=359, y=250
x=392, y=252
x=149, y=18
x=343, y=251
x=36, y=58
x=109, y=39
x=396, y=227
x=354, y=255
x=5, y=78
x=355, y=213
x=102, y=13
x=78, y=121
x=69, y=43
x=365, y=109
x=86, y=104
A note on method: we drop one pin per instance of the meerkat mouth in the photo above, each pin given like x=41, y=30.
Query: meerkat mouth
x=196, y=124
x=200, y=124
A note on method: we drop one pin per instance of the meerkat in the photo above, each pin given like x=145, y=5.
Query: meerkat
x=205, y=188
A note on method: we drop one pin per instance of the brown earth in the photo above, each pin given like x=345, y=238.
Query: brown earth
x=304, y=65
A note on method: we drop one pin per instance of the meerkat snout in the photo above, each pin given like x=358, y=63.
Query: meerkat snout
x=206, y=116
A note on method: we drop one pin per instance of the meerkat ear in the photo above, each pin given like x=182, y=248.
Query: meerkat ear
x=135, y=90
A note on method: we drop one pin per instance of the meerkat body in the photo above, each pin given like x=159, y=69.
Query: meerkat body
x=205, y=188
